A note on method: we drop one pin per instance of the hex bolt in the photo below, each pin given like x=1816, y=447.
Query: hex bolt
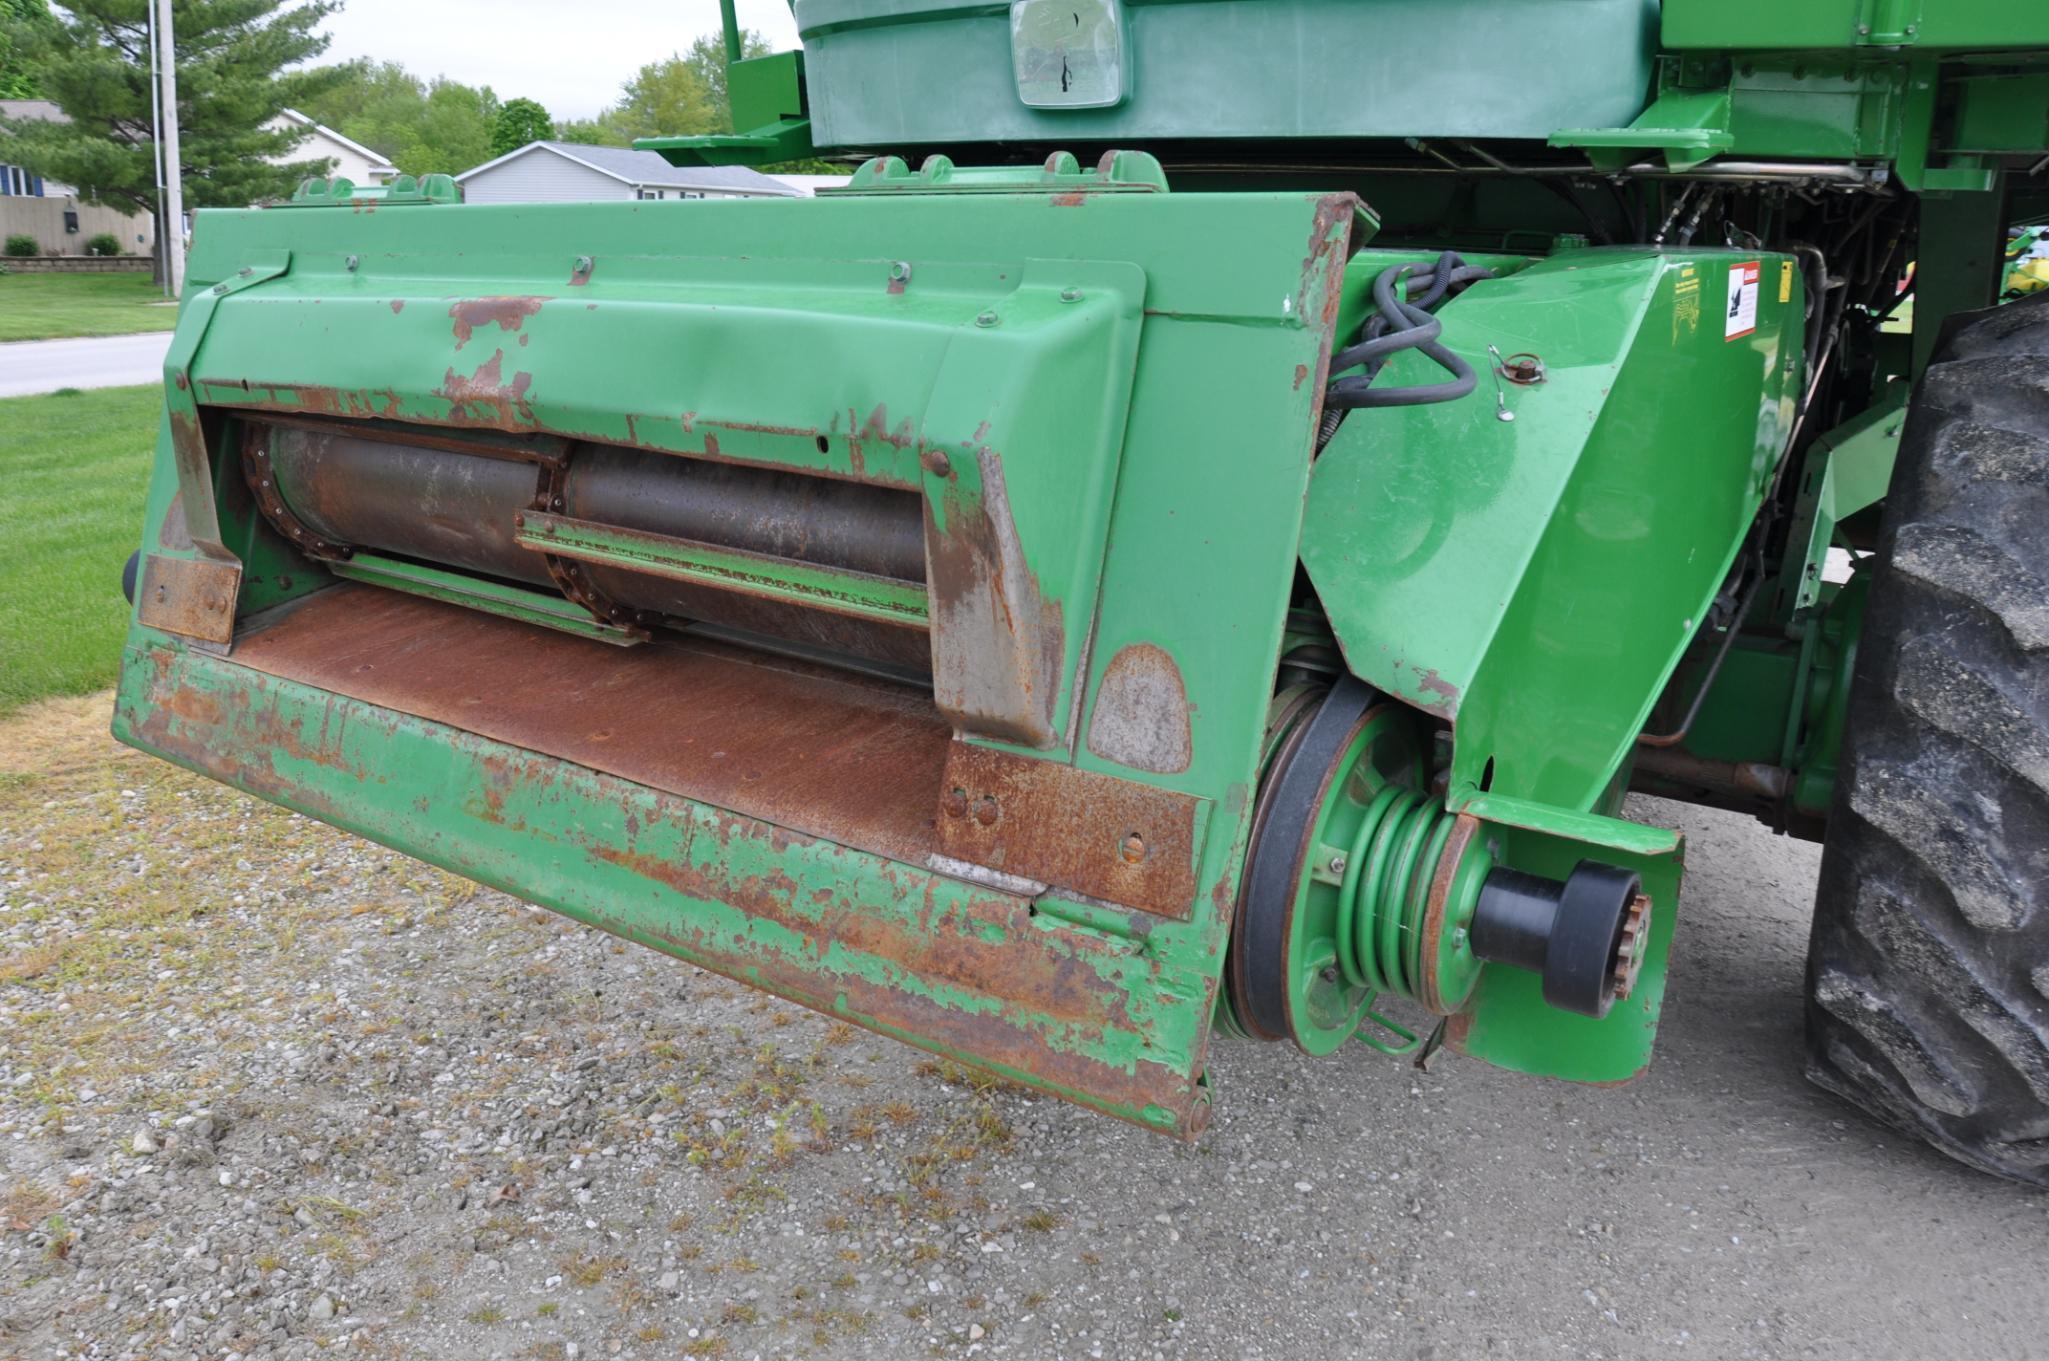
x=1070, y=294
x=937, y=463
x=985, y=811
x=1330, y=973
x=956, y=803
x=1134, y=849
x=1337, y=863
x=354, y=262
x=987, y=319
x=584, y=264
x=899, y=271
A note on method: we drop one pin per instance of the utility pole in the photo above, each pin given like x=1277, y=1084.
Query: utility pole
x=174, y=171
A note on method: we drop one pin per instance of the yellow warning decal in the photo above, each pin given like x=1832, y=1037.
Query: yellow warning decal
x=1686, y=302
x=1785, y=281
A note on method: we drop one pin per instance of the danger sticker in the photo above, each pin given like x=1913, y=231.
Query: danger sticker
x=1745, y=282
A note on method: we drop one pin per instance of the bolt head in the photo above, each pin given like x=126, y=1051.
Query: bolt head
x=987, y=319
x=354, y=262
x=956, y=803
x=986, y=811
x=1337, y=864
x=1070, y=295
x=583, y=264
x=937, y=463
x=900, y=271
x=1134, y=849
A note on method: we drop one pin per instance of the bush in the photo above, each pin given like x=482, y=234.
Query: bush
x=21, y=244
x=106, y=243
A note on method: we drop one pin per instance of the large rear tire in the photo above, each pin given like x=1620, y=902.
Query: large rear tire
x=1928, y=974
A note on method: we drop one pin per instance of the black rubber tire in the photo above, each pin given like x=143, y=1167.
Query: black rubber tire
x=1928, y=973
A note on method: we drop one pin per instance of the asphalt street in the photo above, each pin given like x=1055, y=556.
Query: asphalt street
x=30, y=367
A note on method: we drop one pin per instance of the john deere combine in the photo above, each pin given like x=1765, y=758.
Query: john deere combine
x=1198, y=536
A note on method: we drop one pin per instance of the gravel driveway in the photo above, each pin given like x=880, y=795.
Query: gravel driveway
x=270, y=1091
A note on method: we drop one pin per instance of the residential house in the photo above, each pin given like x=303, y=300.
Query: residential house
x=353, y=161
x=60, y=217
x=568, y=172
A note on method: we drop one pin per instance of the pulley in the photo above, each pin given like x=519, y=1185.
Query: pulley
x=1359, y=882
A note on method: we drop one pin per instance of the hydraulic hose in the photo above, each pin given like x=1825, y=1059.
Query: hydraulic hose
x=1401, y=323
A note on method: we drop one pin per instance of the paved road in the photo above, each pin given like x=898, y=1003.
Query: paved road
x=31, y=366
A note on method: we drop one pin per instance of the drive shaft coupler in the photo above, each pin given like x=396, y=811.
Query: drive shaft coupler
x=1584, y=935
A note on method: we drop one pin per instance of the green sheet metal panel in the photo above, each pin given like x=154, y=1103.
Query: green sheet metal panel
x=895, y=73
x=781, y=333
x=1765, y=24
x=850, y=934
x=1536, y=580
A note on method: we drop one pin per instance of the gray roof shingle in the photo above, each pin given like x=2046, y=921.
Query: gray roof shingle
x=649, y=169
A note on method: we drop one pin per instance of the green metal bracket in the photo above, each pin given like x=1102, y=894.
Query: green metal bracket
x=405, y=191
x=767, y=95
x=786, y=140
x=1118, y=172
x=456, y=588
x=1687, y=126
x=1509, y=1022
x=1848, y=471
x=205, y=608
x=1962, y=174
x=835, y=590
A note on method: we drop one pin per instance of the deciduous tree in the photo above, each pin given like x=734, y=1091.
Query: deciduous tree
x=521, y=121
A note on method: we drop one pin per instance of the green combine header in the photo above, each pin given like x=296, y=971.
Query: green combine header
x=1198, y=537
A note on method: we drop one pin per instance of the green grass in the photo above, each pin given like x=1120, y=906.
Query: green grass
x=53, y=306
x=76, y=469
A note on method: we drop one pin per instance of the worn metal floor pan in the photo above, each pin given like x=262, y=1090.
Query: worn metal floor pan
x=758, y=816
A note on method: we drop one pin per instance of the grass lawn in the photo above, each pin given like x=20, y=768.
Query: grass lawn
x=77, y=469
x=53, y=306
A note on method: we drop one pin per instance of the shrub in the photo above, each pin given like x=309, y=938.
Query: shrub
x=21, y=245
x=106, y=243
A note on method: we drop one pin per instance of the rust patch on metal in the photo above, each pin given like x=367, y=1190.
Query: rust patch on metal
x=830, y=754
x=506, y=313
x=797, y=431
x=1123, y=842
x=1428, y=681
x=486, y=398
x=398, y=305
x=306, y=399
x=1463, y=830
x=172, y=532
x=1071, y=198
x=1141, y=716
x=191, y=597
x=877, y=427
x=997, y=644
x=1301, y=373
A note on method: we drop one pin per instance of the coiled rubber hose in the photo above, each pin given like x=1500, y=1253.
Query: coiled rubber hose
x=1401, y=323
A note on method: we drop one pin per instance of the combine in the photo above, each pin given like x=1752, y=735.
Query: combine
x=1197, y=538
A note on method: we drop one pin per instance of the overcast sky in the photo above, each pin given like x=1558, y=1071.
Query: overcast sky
x=573, y=58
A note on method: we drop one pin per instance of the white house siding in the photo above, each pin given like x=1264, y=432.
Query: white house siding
x=356, y=164
x=542, y=176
